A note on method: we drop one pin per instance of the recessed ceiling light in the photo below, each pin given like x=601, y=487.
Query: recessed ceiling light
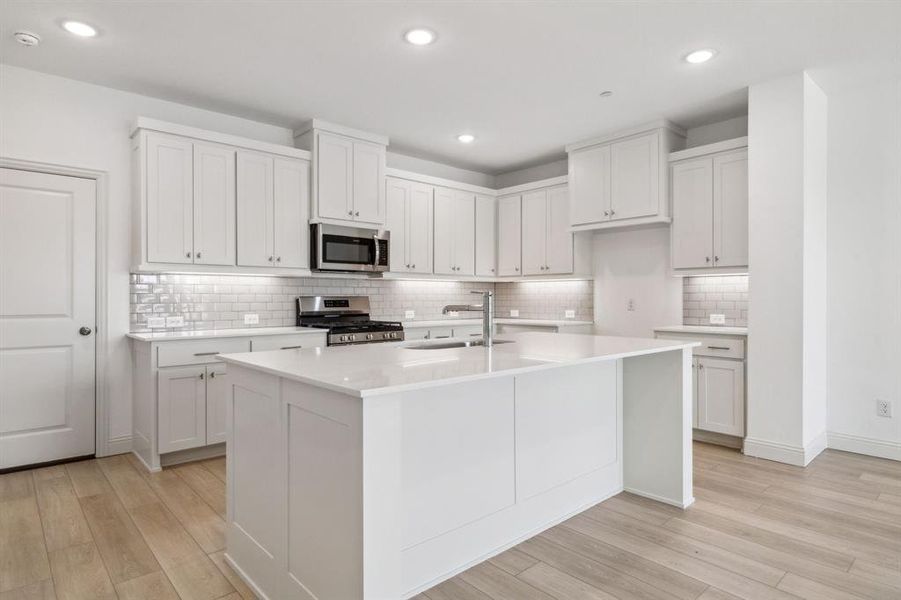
x=466, y=138
x=605, y=94
x=420, y=36
x=80, y=29
x=700, y=56
x=26, y=38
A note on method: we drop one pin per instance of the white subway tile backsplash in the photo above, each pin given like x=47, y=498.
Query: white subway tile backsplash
x=221, y=301
x=726, y=295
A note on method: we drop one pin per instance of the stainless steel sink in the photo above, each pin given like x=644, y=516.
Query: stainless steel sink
x=453, y=344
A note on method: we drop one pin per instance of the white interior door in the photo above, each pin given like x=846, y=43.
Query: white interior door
x=47, y=269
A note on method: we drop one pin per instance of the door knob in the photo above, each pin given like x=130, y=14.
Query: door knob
x=85, y=331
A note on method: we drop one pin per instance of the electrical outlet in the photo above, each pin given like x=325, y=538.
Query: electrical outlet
x=514, y=312
x=716, y=319
x=251, y=319
x=409, y=314
x=453, y=313
x=156, y=322
x=569, y=314
x=884, y=408
x=175, y=321
x=630, y=305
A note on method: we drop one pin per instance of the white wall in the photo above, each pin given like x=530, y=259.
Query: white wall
x=436, y=169
x=716, y=132
x=634, y=264
x=528, y=175
x=783, y=390
x=864, y=267
x=54, y=120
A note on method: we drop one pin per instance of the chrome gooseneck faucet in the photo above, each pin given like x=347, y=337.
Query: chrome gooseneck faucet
x=487, y=310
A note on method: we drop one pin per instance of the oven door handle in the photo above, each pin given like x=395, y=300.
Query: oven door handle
x=375, y=240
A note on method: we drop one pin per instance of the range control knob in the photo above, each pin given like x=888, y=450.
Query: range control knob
x=369, y=336
x=352, y=338
x=343, y=338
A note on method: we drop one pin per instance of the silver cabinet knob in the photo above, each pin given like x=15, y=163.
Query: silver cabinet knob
x=606, y=213
x=213, y=375
x=706, y=259
x=357, y=214
x=187, y=255
x=278, y=259
x=413, y=266
x=350, y=213
x=716, y=259
x=612, y=212
x=198, y=255
x=407, y=265
x=85, y=331
x=201, y=375
x=516, y=268
x=492, y=269
x=271, y=258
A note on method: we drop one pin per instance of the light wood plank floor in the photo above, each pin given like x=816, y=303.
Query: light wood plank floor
x=107, y=529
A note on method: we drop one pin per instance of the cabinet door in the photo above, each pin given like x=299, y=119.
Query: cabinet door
x=444, y=231
x=692, y=230
x=334, y=177
x=398, y=202
x=464, y=233
x=730, y=209
x=534, y=232
x=589, y=183
x=721, y=396
x=214, y=205
x=291, y=212
x=218, y=397
x=368, y=182
x=559, y=237
x=419, y=228
x=255, y=206
x=486, y=236
x=509, y=236
x=635, y=177
x=170, y=204
x=182, y=408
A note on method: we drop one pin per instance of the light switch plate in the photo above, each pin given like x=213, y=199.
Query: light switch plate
x=155, y=322
x=569, y=314
x=409, y=314
x=175, y=321
x=251, y=319
x=514, y=312
x=716, y=319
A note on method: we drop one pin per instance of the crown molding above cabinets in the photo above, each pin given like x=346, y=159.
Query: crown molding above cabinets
x=621, y=180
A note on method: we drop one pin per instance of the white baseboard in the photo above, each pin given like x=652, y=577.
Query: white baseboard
x=791, y=455
x=813, y=449
x=864, y=445
x=661, y=499
x=184, y=456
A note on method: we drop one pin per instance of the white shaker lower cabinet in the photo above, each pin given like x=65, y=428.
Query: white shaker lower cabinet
x=181, y=393
x=718, y=377
x=710, y=206
x=509, y=236
x=721, y=396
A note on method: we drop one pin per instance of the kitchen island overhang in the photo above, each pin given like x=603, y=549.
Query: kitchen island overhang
x=375, y=472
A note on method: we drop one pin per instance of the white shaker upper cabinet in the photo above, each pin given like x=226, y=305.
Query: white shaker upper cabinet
x=486, y=236
x=559, y=237
x=730, y=209
x=692, y=214
x=509, y=236
x=170, y=205
x=214, y=205
x=409, y=220
x=396, y=222
x=335, y=177
x=464, y=233
x=454, y=232
x=368, y=178
x=635, y=175
x=255, y=206
x=444, y=232
x=291, y=211
x=534, y=232
x=589, y=178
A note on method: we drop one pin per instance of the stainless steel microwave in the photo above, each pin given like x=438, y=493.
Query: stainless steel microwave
x=348, y=249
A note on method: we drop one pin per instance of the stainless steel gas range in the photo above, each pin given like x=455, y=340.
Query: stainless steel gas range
x=347, y=320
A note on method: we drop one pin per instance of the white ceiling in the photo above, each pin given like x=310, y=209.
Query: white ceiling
x=522, y=76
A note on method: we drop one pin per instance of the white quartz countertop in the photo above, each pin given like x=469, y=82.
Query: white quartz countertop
x=377, y=369
x=500, y=321
x=222, y=333
x=705, y=329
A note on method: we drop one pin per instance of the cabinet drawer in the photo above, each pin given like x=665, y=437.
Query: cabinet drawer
x=416, y=333
x=197, y=352
x=287, y=342
x=711, y=345
x=437, y=333
x=468, y=330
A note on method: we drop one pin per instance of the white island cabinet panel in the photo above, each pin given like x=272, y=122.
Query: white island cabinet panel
x=436, y=466
x=559, y=441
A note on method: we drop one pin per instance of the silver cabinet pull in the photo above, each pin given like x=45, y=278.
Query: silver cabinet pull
x=719, y=347
x=206, y=353
x=290, y=347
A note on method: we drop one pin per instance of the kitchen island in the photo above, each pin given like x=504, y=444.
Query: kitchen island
x=377, y=471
